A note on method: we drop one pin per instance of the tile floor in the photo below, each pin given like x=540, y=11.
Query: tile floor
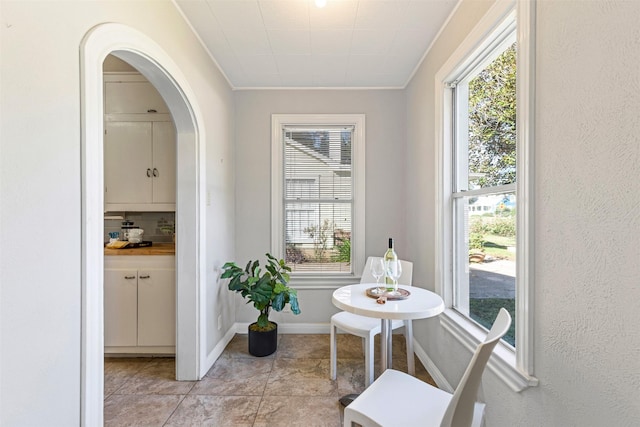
x=289, y=388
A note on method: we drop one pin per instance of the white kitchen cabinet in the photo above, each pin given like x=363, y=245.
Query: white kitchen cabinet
x=128, y=163
x=140, y=166
x=139, y=304
x=127, y=93
x=156, y=300
x=120, y=307
x=164, y=162
x=139, y=147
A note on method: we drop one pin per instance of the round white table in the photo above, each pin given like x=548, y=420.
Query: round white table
x=420, y=304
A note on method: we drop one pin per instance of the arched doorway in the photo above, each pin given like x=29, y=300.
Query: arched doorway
x=146, y=56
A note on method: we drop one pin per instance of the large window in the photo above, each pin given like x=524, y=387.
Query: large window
x=485, y=189
x=483, y=192
x=318, y=193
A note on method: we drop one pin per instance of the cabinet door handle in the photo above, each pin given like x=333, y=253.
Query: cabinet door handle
x=145, y=277
x=129, y=277
x=155, y=172
x=148, y=173
x=151, y=110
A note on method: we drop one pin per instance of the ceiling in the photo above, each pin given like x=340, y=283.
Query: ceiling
x=295, y=44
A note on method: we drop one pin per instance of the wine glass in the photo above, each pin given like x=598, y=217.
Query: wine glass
x=377, y=271
x=394, y=271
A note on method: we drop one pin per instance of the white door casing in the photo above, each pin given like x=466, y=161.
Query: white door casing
x=156, y=65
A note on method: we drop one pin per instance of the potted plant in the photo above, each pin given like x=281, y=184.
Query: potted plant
x=265, y=290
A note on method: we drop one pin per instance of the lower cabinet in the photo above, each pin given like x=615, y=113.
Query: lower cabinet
x=156, y=307
x=120, y=307
x=139, y=304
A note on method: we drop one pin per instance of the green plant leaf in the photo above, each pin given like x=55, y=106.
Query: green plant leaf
x=228, y=265
x=293, y=302
x=278, y=302
x=262, y=292
x=235, y=284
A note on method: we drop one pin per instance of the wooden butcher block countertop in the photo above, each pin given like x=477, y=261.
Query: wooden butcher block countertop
x=156, y=249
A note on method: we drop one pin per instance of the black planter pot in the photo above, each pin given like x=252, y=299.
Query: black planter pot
x=263, y=343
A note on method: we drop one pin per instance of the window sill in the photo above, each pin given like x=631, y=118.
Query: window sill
x=326, y=281
x=503, y=360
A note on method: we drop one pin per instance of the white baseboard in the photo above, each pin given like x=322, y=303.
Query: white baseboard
x=437, y=376
x=291, y=328
x=217, y=351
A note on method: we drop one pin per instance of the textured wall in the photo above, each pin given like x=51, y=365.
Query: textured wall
x=588, y=210
x=587, y=218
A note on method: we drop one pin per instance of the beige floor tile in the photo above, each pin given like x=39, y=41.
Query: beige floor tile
x=423, y=374
x=218, y=411
x=311, y=411
x=295, y=346
x=253, y=386
x=227, y=367
x=118, y=370
x=300, y=377
x=156, y=377
x=350, y=347
x=293, y=385
x=142, y=410
x=350, y=376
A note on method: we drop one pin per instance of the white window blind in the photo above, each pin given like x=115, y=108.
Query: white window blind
x=318, y=197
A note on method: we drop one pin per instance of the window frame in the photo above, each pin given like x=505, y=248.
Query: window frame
x=278, y=121
x=513, y=366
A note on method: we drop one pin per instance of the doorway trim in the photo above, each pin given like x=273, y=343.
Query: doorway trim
x=156, y=65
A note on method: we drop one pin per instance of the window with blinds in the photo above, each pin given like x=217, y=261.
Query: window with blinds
x=318, y=197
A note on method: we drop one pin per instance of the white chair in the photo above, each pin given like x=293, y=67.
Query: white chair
x=368, y=327
x=398, y=399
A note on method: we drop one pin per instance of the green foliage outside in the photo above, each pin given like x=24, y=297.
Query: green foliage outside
x=493, y=236
x=492, y=121
x=505, y=227
x=476, y=241
x=343, y=251
x=500, y=226
x=485, y=310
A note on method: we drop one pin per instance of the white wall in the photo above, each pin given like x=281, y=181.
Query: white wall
x=40, y=185
x=385, y=146
x=587, y=216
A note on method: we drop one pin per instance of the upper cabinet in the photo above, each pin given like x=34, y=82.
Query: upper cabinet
x=139, y=146
x=140, y=168
x=131, y=94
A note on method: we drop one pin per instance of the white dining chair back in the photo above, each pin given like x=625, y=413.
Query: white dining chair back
x=368, y=327
x=461, y=408
x=417, y=403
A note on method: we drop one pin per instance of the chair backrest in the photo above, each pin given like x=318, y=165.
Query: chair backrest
x=459, y=413
x=405, y=278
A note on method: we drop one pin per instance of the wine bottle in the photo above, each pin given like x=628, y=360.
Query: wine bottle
x=390, y=255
